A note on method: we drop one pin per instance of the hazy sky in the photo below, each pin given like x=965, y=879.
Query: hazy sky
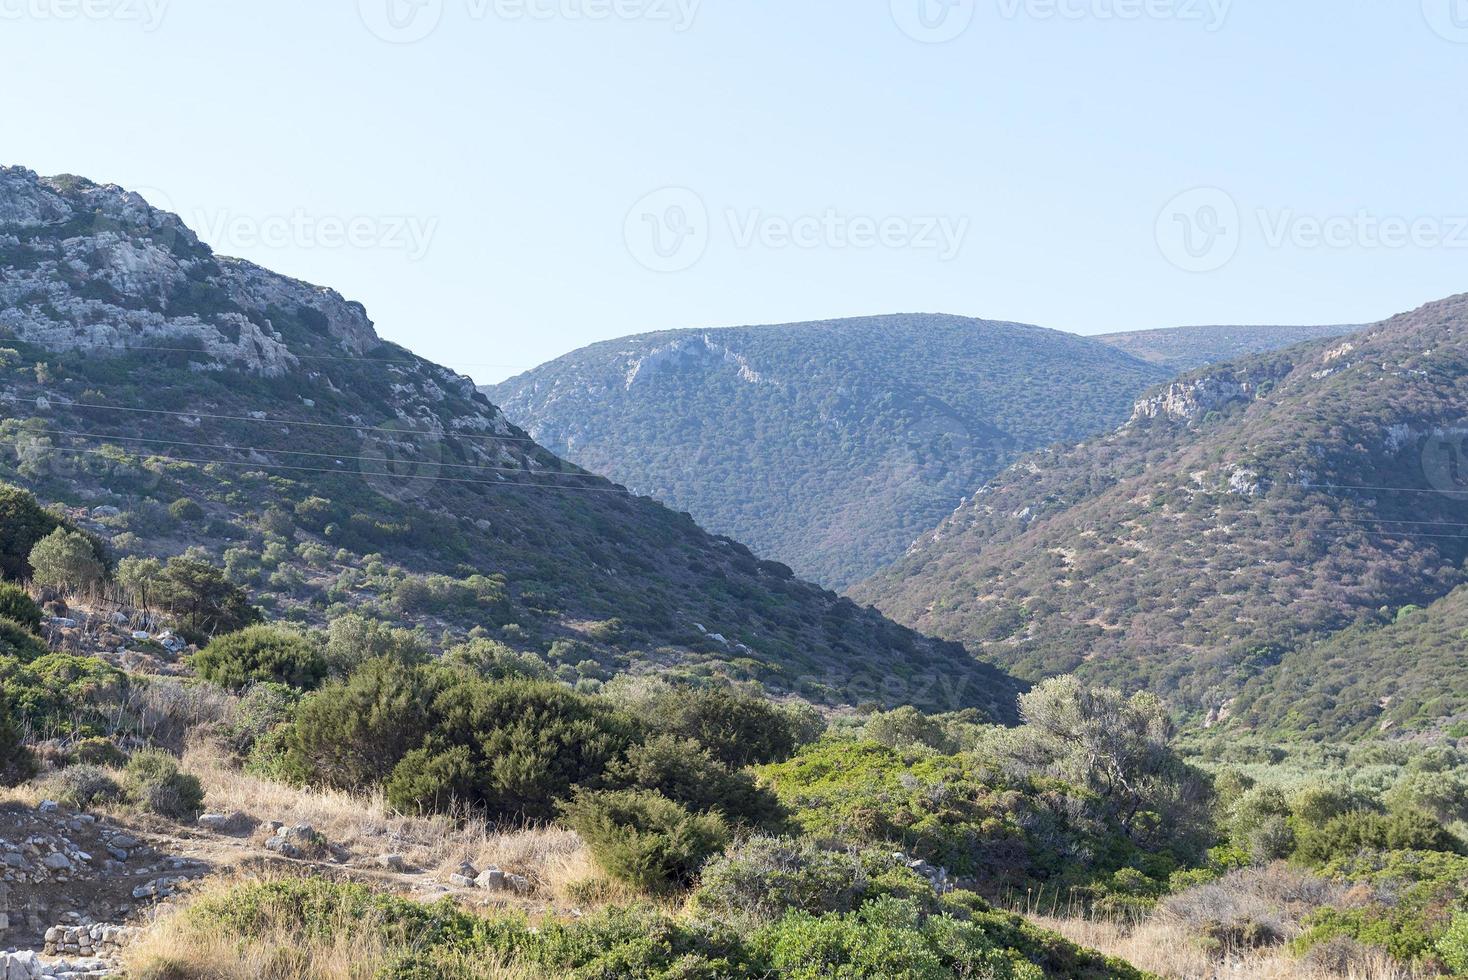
x=501, y=181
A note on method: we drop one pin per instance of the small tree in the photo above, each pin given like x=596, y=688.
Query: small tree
x=66, y=560
x=644, y=839
x=203, y=600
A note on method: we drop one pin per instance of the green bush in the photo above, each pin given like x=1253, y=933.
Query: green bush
x=66, y=560
x=79, y=787
x=687, y=773
x=17, y=762
x=739, y=729
x=17, y=606
x=20, y=643
x=1453, y=946
x=96, y=752
x=644, y=839
x=60, y=695
x=23, y=523
x=261, y=654
x=201, y=599
x=186, y=509
x=152, y=782
x=1349, y=834
x=765, y=877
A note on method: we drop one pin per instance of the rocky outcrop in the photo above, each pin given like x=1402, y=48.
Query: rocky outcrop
x=686, y=353
x=1190, y=401
x=95, y=268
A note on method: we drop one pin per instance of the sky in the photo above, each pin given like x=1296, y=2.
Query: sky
x=504, y=181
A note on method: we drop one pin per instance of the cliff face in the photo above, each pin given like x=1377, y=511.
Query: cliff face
x=96, y=268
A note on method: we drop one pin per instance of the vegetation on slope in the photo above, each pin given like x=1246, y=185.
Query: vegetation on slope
x=1247, y=509
x=829, y=446
x=1189, y=348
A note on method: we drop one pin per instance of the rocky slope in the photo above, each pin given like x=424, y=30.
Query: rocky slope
x=1244, y=510
x=190, y=401
x=1188, y=348
x=830, y=445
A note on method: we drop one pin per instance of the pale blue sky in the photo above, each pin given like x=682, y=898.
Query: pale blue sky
x=1022, y=170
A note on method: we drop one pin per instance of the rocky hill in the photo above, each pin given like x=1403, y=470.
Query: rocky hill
x=1188, y=348
x=830, y=445
x=177, y=401
x=1244, y=511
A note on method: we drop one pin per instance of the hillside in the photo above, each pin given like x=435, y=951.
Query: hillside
x=1244, y=510
x=829, y=446
x=175, y=401
x=1186, y=348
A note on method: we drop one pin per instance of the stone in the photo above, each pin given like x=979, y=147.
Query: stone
x=393, y=862
x=461, y=881
x=57, y=861
x=492, y=879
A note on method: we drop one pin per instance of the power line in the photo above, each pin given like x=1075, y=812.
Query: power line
x=501, y=484
x=275, y=421
x=296, y=452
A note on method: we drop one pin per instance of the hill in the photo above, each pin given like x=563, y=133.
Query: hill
x=1244, y=511
x=830, y=445
x=1185, y=348
x=178, y=401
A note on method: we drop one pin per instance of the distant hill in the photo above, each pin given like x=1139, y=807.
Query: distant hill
x=828, y=446
x=177, y=400
x=1247, y=510
x=1185, y=348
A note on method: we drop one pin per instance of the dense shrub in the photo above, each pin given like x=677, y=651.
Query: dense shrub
x=152, y=782
x=261, y=654
x=19, y=643
x=443, y=942
x=17, y=606
x=60, y=695
x=765, y=877
x=185, y=509
x=643, y=839
x=1453, y=946
x=96, y=752
x=201, y=599
x=1349, y=834
x=23, y=523
x=17, y=762
x=739, y=729
x=353, y=639
x=67, y=560
x=79, y=787
x=687, y=773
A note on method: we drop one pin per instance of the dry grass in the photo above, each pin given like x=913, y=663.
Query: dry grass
x=1171, y=949
x=554, y=860
x=177, y=947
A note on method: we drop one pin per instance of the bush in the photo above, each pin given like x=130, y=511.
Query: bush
x=18, y=642
x=17, y=762
x=153, y=782
x=643, y=839
x=740, y=730
x=1352, y=833
x=1453, y=946
x=96, y=752
x=78, y=787
x=66, y=560
x=17, y=606
x=266, y=654
x=23, y=523
x=766, y=877
x=186, y=509
x=201, y=599
x=687, y=773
